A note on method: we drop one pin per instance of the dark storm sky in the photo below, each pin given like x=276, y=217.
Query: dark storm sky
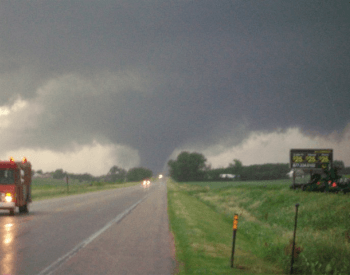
x=156, y=76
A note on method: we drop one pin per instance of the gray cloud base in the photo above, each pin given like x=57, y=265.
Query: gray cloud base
x=156, y=75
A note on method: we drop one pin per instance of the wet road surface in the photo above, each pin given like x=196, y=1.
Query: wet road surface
x=120, y=231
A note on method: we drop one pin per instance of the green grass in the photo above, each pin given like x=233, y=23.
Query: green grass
x=50, y=188
x=203, y=237
x=201, y=219
x=223, y=184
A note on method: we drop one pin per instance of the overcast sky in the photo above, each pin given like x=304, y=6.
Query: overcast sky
x=85, y=85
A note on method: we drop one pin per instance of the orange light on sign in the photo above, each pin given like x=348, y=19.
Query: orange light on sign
x=24, y=160
x=235, y=222
x=12, y=159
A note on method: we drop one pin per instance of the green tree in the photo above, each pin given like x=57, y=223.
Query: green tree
x=58, y=174
x=82, y=177
x=236, y=167
x=188, y=167
x=267, y=171
x=116, y=174
x=138, y=174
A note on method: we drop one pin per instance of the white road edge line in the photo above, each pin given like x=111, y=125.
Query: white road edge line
x=55, y=265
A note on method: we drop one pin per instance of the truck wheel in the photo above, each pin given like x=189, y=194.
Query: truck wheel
x=26, y=208
x=12, y=212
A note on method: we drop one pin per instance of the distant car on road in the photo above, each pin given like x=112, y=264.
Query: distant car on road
x=146, y=182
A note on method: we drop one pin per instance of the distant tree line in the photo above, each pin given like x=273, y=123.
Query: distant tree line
x=115, y=175
x=193, y=167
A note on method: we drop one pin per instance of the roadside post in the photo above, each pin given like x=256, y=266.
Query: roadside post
x=67, y=183
x=235, y=222
x=295, y=230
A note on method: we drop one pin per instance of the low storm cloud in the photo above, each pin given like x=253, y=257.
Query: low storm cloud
x=85, y=85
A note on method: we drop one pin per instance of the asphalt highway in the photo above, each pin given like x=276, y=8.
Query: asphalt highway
x=117, y=231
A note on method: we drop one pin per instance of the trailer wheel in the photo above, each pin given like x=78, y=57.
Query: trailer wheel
x=12, y=212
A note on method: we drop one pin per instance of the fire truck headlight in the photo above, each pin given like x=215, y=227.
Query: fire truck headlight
x=8, y=197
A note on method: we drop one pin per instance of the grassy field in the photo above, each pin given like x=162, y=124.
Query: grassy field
x=50, y=188
x=201, y=220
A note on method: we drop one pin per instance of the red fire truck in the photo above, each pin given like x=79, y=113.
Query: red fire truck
x=15, y=183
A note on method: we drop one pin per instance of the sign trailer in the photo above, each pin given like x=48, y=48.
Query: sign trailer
x=310, y=160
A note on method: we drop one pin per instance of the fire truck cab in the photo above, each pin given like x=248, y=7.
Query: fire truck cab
x=15, y=185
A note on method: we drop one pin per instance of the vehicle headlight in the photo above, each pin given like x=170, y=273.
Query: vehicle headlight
x=8, y=197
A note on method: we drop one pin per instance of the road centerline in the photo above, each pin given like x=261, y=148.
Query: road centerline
x=55, y=265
